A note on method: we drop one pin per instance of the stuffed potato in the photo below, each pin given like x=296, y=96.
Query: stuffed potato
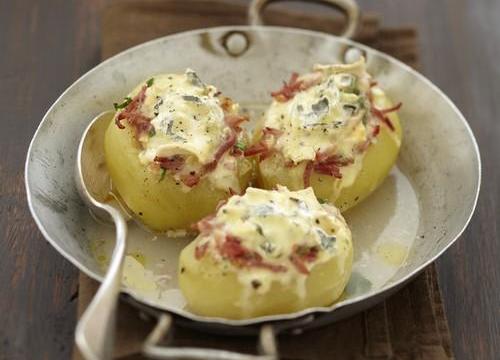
x=332, y=129
x=267, y=252
x=174, y=151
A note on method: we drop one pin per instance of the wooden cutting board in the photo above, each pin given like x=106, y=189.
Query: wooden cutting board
x=409, y=325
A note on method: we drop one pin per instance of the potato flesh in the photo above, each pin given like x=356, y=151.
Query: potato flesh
x=214, y=291
x=159, y=205
x=377, y=163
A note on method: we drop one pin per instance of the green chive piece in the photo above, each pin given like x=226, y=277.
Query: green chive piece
x=152, y=132
x=322, y=201
x=240, y=145
x=162, y=175
x=124, y=104
x=150, y=82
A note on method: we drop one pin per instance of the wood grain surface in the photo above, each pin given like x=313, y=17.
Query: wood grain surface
x=45, y=46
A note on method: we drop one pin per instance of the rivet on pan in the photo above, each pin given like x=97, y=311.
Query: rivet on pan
x=353, y=54
x=236, y=43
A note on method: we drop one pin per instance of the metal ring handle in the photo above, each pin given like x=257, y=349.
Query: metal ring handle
x=348, y=7
x=266, y=346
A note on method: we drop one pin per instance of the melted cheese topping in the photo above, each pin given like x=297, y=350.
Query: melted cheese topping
x=187, y=120
x=278, y=225
x=331, y=116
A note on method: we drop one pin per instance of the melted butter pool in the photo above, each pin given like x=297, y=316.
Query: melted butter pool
x=384, y=227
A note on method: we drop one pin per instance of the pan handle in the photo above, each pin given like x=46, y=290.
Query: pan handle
x=266, y=346
x=348, y=7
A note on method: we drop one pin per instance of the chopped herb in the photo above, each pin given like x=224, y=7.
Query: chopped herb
x=191, y=98
x=322, y=201
x=152, y=132
x=150, y=82
x=162, y=174
x=240, y=145
x=124, y=104
x=267, y=246
x=350, y=109
x=194, y=79
x=259, y=229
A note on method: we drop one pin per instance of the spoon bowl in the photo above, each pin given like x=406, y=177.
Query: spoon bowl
x=95, y=330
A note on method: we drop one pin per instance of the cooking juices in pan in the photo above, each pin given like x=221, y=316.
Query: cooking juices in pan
x=177, y=150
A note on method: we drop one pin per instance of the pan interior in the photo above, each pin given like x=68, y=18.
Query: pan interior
x=411, y=219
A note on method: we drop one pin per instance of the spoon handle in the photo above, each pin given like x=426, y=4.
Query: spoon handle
x=96, y=328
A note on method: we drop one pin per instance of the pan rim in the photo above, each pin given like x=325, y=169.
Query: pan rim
x=268, y=318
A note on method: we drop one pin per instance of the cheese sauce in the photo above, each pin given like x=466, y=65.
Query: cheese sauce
x=187, y=119
x=330, y=116
x=283, y=233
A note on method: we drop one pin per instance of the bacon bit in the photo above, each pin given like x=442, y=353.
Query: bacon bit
x=225, y=146
x=271, y=131
x=307, y=173
x=299, y=264
x=373, y=83
x=262, y=148
x=376, y=131
x=302, y=255
x=266, y=154
x=331, y=165
x=133, y=116
x=381, y=113
x=391, y=109
x=293, y=86
x=363, y=146
x=232, y=192
x=173, y=163
x=234, y=121
x=333, y=159
x=256, y=149
x=331, y=170
x=190, y=180
x=200, y=251
x=204, y=226
x=238, y=255
x=288, y=90
x=236, y=152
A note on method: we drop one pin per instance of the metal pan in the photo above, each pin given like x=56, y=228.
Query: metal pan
x=423, y=206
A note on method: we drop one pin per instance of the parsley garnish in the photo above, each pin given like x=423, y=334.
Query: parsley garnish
x=162, y=175
x=152, y=132
x=124, y=104
x=150, y=82
x=322, y=201
x=240, y=145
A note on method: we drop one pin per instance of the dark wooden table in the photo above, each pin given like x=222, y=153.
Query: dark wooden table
x=45, y=46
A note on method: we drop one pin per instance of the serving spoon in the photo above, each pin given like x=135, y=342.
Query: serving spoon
x=96, y=329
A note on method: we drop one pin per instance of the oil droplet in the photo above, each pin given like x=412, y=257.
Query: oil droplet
x=392, y=253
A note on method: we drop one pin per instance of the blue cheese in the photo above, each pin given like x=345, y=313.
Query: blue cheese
x=328, y=117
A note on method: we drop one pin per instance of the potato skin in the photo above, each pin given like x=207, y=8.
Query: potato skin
x=213, y=291
x=159, y=205
x=377, y=163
